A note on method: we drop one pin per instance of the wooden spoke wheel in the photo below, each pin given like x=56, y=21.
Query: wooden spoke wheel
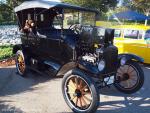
x=128, y=76
x=131, y=77
x=79, y=92
x=20, y=63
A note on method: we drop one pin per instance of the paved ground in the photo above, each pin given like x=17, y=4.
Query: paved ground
x=41, y=94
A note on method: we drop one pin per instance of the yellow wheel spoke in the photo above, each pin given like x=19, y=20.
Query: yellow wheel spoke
x=84, y=102
x=80, y=102
x=86, y=98
x=70, y=88
x=76, y=81
x=73, y=98
x=84, y=87
x=77, y=102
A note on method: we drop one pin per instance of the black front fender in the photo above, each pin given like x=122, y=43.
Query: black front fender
x=131, y=57
x=82, y=65
x=88, y=67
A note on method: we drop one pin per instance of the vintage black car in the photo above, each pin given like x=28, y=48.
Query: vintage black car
x=62, y=39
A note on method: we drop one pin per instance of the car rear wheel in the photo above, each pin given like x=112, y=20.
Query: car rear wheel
x=131, y=77
x=80, y=92
x=21, y=63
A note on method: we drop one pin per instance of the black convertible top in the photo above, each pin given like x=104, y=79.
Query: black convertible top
x=47, y=4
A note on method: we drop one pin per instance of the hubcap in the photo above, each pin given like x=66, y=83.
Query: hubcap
x=128, y=76
x=78, y=93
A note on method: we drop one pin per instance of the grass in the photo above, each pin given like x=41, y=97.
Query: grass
x=6, y=51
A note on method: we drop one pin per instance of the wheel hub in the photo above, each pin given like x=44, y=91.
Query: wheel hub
x=78, y=93
x=126, y=76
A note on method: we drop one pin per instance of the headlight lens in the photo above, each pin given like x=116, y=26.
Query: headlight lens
x=123, y=61
x=101, y=65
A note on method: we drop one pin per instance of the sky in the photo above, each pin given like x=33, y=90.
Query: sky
x=120, y=2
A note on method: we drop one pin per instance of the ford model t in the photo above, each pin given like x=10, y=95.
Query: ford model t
x=61, y=39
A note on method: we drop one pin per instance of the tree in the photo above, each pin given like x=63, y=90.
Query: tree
x=6, y=9
x=101, y=5
x=143, y=6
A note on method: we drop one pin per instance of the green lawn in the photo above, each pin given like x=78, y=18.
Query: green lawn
x=6, y=51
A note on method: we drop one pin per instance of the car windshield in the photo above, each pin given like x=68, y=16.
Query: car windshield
x=74, y=17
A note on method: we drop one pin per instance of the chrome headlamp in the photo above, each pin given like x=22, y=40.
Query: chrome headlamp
x=101, y=65
x=123, y=61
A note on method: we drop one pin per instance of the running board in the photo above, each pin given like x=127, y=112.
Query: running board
x=54, y=65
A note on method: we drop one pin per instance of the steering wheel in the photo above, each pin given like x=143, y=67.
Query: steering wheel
x=76, y=28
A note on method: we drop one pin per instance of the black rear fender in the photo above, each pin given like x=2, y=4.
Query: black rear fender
x=16, y=48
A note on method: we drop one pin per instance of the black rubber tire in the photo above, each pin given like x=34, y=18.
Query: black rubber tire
x=25, y=60
x=95, y=93
x=139, y=83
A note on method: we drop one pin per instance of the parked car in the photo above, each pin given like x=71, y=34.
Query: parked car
x=59, y=39
x=133, y=39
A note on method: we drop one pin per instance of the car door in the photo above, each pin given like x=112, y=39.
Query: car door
x=54, y=46
x=133, y=42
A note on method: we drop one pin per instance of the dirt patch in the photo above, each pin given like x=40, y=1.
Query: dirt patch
x=7, y=62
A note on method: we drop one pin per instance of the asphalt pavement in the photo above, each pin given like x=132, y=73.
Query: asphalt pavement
x=42, y=94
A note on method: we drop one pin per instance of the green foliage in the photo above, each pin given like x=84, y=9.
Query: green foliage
x=6, y=11
x=101, y=5
x=141, y=5
x=6, y=52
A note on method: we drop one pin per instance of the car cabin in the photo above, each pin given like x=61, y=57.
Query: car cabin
x=54, y=16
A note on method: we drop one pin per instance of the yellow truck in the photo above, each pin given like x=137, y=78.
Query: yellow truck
x=133, y=39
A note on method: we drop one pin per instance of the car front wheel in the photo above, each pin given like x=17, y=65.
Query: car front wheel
x=131, y=77
x=80, y=92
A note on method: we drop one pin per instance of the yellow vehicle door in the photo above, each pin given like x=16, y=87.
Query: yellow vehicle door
x=134, y=44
